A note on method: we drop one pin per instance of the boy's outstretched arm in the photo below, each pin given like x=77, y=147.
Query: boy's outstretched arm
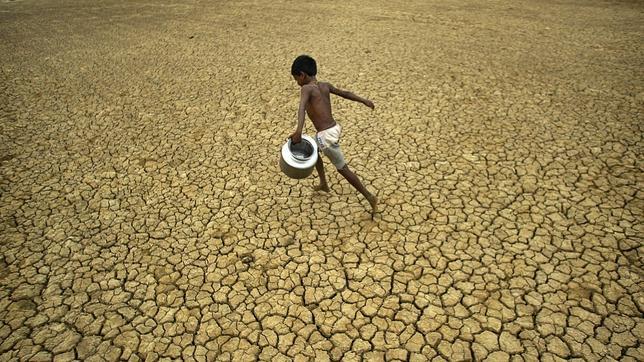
x=350, y=96
x=305, y=93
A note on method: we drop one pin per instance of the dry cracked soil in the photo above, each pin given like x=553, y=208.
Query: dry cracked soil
x=143, y=215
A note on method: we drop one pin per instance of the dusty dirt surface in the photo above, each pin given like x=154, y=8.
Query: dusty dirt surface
x=144, y=216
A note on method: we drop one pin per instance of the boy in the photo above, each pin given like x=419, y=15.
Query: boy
x=315, y=100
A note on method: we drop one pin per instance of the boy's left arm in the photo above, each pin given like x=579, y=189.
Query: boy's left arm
x=305, y=93
x=350, y=96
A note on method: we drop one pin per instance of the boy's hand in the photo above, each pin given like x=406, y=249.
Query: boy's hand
x=296, y=137
x=369, y=103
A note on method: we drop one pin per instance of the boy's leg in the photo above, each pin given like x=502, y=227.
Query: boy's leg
x=319, y=166
x=355, y=182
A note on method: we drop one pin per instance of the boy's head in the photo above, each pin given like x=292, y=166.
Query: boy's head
x=302, y=66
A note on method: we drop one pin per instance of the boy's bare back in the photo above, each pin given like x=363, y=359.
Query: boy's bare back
x=318, y=105
x=315, y=97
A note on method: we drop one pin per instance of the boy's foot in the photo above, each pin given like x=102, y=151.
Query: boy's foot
x=373, y=201
x=324, y=188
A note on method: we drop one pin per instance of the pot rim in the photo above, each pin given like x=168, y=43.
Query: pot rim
x=290, y=144
x=298, y=163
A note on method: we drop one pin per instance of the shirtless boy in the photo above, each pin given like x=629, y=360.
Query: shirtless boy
x=315, y=101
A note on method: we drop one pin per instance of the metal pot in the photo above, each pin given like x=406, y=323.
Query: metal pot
x=298, y=160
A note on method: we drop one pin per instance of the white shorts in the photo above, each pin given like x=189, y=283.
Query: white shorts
x=328, y=142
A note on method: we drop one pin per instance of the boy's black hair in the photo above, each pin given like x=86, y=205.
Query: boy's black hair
x=304, y=63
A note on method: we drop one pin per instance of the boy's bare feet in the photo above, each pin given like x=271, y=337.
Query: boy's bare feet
x=373, y=201
x=323, y=188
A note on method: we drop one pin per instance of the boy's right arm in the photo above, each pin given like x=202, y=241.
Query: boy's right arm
x=305, y=94
x=350, y=96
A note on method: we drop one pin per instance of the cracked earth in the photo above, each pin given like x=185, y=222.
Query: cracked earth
x=143, y=215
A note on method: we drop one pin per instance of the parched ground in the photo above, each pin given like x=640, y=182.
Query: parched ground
x=143, y=215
